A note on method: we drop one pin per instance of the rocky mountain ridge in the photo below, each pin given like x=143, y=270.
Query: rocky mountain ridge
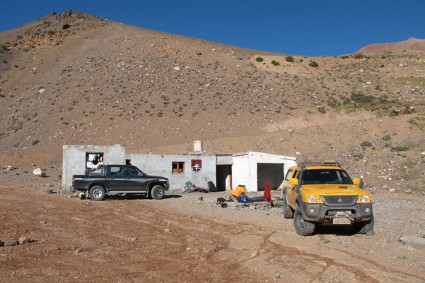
x=412, y=44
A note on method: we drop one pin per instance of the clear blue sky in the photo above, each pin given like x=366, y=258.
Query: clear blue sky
x=304, y=27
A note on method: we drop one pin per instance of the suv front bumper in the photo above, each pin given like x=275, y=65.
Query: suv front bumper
x=319, y=212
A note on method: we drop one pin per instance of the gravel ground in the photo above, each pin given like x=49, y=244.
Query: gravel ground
x=395, y=215
x=189, y=238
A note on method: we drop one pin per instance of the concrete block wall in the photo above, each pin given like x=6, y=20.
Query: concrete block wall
x=161, y=165
x=74, y=159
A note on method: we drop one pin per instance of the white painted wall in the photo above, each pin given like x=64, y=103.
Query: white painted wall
x=244, y=168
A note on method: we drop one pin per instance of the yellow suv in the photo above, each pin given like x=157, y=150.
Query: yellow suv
x=324, y=194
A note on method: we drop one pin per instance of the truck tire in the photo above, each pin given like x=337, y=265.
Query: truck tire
x=288, y=212
x=157, y=192
x=97, y=193
x=303, y=227
x=364, y=226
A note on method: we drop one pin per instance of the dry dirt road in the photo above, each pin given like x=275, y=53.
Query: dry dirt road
x=185, y=239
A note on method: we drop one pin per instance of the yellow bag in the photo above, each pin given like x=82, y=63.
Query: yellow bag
x=239, y=190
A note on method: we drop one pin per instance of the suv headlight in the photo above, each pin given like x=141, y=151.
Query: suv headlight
x=364, y=199
x=314, y=199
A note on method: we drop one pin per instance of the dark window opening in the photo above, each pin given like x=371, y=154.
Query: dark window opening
x=178, y=167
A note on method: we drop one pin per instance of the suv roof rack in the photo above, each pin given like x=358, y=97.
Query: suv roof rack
x=323, y=163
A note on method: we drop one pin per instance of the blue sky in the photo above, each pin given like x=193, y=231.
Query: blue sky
x=303, y=27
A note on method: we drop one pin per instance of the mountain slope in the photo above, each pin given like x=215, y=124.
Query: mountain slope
x=74, y=78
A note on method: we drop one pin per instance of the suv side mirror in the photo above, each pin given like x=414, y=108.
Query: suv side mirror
x=293, y=181
x=356, y=181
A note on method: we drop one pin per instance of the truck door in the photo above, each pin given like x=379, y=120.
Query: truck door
x=116, y=178
x=291, y=190
x=135, y=179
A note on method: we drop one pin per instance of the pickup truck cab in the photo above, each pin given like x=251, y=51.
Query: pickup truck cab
x=119, y=179
x=324, y=194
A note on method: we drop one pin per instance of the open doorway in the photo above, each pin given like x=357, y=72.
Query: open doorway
x=93, y=160
x=269, y=172
x=224, y=177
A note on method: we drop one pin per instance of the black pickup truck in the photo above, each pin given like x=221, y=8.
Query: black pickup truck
x=119, y=179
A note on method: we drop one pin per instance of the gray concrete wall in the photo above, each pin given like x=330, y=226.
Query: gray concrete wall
x=161, y=165
x=74, y=159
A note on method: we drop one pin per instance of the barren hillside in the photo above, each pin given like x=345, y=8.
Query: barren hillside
x=73, y=78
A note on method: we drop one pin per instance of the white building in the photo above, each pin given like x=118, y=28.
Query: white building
x=255, y=169
x=252, y=169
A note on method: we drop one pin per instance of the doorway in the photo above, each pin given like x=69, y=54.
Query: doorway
x=224, y=177
x=269, y=172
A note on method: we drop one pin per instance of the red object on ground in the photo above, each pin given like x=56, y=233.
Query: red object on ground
x=267, y=193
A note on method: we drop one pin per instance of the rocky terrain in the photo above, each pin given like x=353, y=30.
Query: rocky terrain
x=73, y=78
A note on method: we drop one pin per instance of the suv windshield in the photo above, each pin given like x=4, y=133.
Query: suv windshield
x=325, y=176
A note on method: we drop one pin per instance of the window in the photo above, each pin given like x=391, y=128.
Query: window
x=178, y=167
x=289, y=174
x=93, y=160
x=116, y=171
x=326, y=176
x=131, y=171
x=96, y=172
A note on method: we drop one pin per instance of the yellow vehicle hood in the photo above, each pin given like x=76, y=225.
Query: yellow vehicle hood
x=333, y=189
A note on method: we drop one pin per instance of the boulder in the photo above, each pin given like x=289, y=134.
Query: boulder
x=24, y=240
x=39, y=172
x=413, y=241
x=10, y=243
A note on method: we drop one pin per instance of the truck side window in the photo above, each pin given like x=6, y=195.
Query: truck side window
x=116, y=171
x=96, y=172
x=131, y=171
x=289, y=174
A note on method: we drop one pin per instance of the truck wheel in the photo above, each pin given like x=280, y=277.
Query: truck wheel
x=364, y=226
x=157, y=192
x=97, y=193
x=288, y=213
x=303, y=227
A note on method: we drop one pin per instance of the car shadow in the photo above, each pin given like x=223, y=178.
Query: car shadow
x=137, y=197
x=172, y=196
x=335, y=230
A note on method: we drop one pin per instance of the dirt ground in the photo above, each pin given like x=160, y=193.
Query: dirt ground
x=188, y=238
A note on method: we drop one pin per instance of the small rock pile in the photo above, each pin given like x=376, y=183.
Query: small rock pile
x=20, y=241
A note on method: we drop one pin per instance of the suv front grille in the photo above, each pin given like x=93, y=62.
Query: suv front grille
x=339, y=200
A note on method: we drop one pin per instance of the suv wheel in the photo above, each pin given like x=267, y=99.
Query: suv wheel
x=288, y=212
x=157, y=192
x=303, y=227
x=97, y=193
x=364, y=227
